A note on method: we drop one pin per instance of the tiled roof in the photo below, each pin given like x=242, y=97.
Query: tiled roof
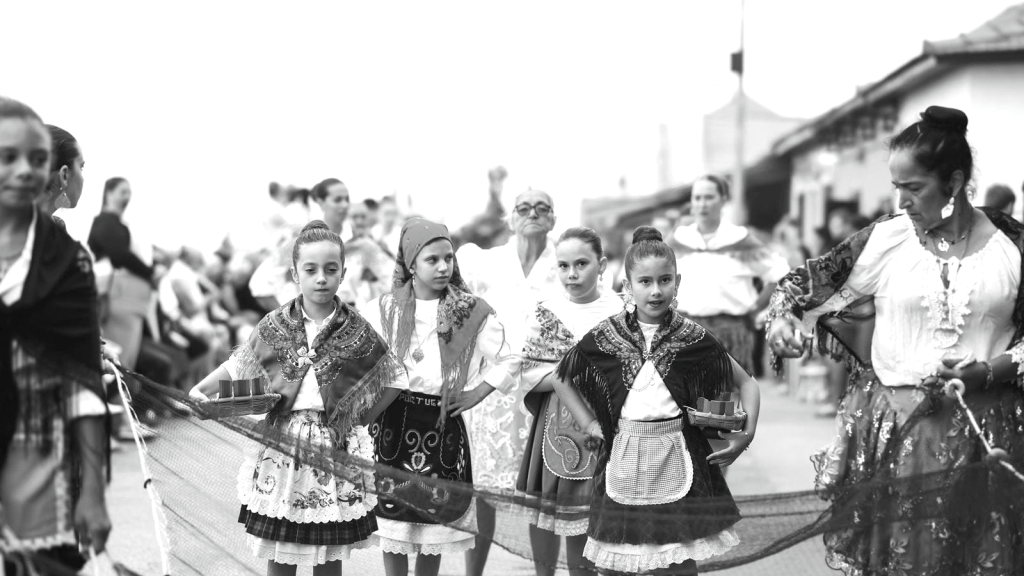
x=1000, y=34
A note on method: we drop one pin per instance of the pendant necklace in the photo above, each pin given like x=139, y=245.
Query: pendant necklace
x=417, y=354
x=944, y=245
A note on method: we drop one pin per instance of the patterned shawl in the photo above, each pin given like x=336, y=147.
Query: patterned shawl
x=606, y=361
x=459, y=314
x=810, y=286
x=56, y=324
x=351, y=362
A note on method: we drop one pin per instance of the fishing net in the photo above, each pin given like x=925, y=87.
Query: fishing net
x=195, y=465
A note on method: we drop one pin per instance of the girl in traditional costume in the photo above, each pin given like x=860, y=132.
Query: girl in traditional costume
x=659, y=494
x=455, y=353
x=558, y=470
x=53, y=436
x=335, y=375
x=942, y=286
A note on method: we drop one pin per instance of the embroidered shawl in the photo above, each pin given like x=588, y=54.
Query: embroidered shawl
x=56, y=324
x=460, y=314
x=351, y=362
x=602, y=367
x=810, y=286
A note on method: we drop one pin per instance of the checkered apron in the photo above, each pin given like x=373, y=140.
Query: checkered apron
x=649, y=463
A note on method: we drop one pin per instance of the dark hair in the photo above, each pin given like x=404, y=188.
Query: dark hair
x=720, y=183
x=63, y=148
x=316, y=231
x=320, y=190
x=109, y=186
x=999, y=196
x=11, y=108
x=585, y=235
x=938, y=142
x=647, y=243
x=371, y=204
x=389, y=198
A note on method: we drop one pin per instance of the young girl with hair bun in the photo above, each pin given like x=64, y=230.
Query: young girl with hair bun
x=335, y=375
x=659, y=496
x=560, y=457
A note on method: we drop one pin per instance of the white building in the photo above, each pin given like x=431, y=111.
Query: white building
x=840, y=158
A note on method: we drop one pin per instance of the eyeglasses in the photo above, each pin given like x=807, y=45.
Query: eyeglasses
x=541, y=209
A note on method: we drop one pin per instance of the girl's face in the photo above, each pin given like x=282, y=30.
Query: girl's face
x=433, y=266
x=921, y=194
x=336, y=203
x=654, y=283
x=24, y=162
x=319, y=270
x=579, y=269
x=705, y=200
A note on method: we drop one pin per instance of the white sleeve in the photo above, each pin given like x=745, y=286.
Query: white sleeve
x=501, y=364
x=865, y=277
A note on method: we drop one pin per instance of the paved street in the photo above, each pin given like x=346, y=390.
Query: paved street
x=777, y=462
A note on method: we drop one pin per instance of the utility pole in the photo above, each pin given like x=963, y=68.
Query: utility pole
x=738, y=185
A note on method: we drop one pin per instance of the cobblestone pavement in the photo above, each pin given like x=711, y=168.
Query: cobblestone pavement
x=788, y=433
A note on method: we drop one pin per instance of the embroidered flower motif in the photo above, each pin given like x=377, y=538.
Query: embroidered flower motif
x=305, y=356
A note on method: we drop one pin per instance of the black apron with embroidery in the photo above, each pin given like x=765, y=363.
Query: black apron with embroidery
x=406, y=437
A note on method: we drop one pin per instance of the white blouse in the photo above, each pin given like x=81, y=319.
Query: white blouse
x=496, y=275
x=493, y=361
x=308, y=397
x=914, y=328
x=649, y=398
x=726, y=283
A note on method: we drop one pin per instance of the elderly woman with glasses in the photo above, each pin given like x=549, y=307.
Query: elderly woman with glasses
x=512, y=278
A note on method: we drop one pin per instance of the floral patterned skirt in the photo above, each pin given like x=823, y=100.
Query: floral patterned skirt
x=298, y=514
x=910, y=493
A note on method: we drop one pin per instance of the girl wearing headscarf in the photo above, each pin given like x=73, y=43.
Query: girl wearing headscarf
x=455, y=352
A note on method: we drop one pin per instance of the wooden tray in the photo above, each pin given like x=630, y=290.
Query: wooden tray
x=240, y=405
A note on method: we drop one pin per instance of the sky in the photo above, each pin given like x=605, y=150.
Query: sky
x=200, y=104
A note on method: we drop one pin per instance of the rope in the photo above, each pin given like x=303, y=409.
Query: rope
x=955, y=388
x=156, y=506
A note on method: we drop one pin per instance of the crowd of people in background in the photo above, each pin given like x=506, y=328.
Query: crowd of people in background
x=627, y=366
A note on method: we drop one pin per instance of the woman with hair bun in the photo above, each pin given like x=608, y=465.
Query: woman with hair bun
x=659, y=496
x=66, y=164
x=334, y=375
x=948, y=312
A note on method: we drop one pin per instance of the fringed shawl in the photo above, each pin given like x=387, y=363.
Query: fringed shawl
x=351, y=362
x=606, y=361
x=56, y=324
x=812, y=285
x=459, y=314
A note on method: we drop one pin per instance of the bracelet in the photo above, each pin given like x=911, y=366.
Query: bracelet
x=591, y=426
